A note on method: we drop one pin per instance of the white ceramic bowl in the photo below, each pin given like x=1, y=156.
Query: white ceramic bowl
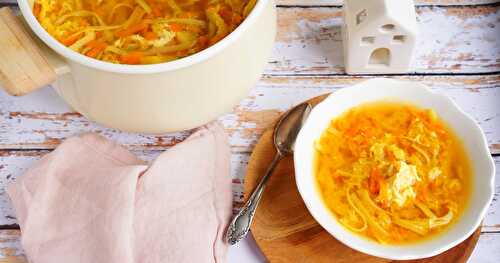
x=411, y=92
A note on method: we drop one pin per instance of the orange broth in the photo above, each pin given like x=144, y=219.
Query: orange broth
x=140, y=31
x=392, y=172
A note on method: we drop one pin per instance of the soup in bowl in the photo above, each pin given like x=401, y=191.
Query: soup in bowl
x=392, y=172
x=387, y=168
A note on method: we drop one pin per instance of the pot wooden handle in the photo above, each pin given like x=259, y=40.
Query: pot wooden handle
x=23, y=67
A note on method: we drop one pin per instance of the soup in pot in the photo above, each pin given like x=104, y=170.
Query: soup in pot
x=140, y=31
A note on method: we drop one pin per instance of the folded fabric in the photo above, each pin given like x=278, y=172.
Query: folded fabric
x=92, y=201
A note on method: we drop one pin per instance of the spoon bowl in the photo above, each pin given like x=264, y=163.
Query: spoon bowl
x=288, y=127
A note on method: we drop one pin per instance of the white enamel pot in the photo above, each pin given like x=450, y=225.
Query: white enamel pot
x=166, y=97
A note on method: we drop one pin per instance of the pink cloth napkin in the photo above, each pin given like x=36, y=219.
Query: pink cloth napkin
x=92, y=201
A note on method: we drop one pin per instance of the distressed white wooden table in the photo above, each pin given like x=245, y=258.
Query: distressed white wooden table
x=458, y=55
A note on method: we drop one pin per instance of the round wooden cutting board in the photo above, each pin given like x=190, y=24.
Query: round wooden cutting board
x=286, y=232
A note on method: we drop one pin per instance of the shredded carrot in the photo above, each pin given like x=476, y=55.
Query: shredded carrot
x=216, y=39
x=175, y=27
x=94, y=52
x=144, y=30
x=131, y=30
x=95, y=44
x=203, y=41
x=71, y=39
x=132, y=58
x=36, y=9
x=226, y=14
x=149, y=35
x=352, y=131
x=164, y=30
x=237, y=19
x=374, y=181
x=155, y=8
x=96, y=47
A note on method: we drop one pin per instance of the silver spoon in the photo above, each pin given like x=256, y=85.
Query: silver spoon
x=284, y=135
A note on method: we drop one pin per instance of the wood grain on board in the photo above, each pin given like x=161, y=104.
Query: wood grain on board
x=285, y=230
x=12, y=252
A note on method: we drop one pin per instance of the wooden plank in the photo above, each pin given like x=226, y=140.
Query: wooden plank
x=451, y=40
x=478, y=96
x=417, y=2
x=41, y=120
x=14, y=163
x=339, y=2
x=491, y=222
x=10, y=247
x=486, y=250
x=11, y=251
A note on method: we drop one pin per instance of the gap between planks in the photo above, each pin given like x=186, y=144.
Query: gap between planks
x=452, y=40
x=11, y=250
x=337, y=3
x=478, y=96
x=42, y=120
x=7, y=251
x=340, y=2
x=16, y=163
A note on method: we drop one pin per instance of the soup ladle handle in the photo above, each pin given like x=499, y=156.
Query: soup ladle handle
x=240, y=225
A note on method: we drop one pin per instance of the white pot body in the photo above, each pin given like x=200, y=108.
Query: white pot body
x=163, y=98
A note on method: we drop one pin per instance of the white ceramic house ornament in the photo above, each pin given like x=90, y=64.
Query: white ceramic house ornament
x=379, y=36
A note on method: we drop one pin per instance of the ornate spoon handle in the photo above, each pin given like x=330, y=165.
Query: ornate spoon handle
x=239, y=226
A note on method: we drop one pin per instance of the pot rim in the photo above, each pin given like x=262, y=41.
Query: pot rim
x=198, y=57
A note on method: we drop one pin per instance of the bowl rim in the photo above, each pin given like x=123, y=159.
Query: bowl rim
x=344, y=236
x=198, y=57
